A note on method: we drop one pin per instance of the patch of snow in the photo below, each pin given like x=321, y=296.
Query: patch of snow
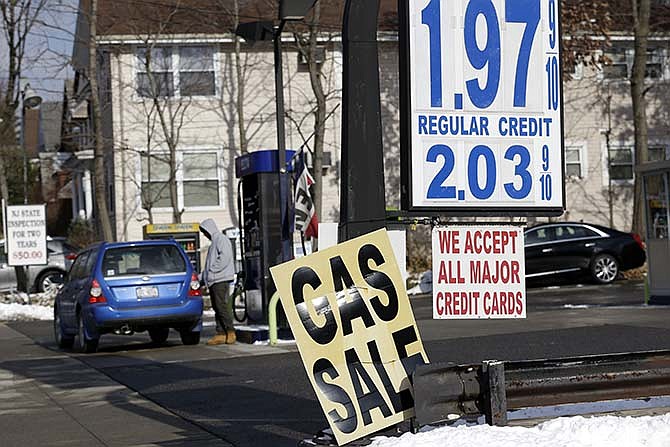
x=414, y=290
x=280, y=341
x=590, y=407
x=577, y=431
x=23, y=312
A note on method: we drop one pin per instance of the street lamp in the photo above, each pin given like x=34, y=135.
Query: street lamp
x=289, y=10
x=29, y=100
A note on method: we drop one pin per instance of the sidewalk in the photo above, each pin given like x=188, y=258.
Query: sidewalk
x=48, y=398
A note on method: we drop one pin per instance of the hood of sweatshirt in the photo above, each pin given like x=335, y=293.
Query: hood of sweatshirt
x=210, y=227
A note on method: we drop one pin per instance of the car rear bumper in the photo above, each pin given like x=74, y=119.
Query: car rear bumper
x=631, y=259
x=106, y=318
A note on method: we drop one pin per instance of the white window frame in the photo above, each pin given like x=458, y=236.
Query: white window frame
x=140, y=68
x=656, y=54
x=175, y=60
x=179, y=177
x=219, y=179
x=580, y=146
x=606, y=163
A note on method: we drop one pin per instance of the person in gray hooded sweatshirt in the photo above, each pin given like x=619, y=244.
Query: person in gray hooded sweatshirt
x=217, y=274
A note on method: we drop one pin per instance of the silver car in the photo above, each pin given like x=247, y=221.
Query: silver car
x=41, y=278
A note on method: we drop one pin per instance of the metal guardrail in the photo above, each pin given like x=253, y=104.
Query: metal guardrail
x=447, y=391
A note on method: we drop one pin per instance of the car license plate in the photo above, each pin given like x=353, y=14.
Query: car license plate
x=147, y=292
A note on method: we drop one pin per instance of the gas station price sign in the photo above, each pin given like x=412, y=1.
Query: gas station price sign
x=482, y=106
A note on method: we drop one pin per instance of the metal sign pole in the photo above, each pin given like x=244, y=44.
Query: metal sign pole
x=362, y=200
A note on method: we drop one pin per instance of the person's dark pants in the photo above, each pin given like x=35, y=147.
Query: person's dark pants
x=219, y=294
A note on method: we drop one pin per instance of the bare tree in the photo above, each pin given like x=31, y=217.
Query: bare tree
x=641, y=12
x=307, y=45
x=164, y=108
x=170, y=114
x=19, y=17
x=100, y=184
x=312, y=46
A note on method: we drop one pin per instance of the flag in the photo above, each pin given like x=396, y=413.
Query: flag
x=305, y=215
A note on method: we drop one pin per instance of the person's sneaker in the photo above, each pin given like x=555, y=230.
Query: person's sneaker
x=218, y=339
x=231, y=337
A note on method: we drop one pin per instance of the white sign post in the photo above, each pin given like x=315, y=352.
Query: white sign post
x=483, y=107
x=26, y=235
x=478, y=272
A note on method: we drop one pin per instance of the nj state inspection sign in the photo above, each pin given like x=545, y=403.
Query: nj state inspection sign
x=351, y=318
x=482, y=106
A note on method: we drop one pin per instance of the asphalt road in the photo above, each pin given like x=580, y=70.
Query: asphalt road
x=249, y=395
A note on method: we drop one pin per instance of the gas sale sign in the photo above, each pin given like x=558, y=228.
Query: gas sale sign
x=351, y=318
x=483, y=106
x=478, y=272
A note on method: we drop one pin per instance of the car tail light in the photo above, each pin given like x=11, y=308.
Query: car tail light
x=638, y=239
x=71, y=256
x=95, y=294
x=194, y=287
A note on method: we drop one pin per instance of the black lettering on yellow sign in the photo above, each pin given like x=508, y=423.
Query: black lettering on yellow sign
x=400, y=400
x=320, y=334
x=336, y=394
x=355, y=331
x=351, y=308
x=378, y=280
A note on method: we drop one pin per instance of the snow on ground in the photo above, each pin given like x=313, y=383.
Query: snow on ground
x=22, y=312
x=577, y=431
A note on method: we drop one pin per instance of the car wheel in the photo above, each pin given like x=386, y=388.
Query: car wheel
x=190, y=337
x=604, y=268
x=49, y=281
x=63, y=341
x=85, y=344
x=159, y=335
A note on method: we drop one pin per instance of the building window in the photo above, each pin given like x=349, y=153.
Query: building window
x=201, y=179
x=157, y=75
x=319, y=59
x=621, y=163
x=155, y=181
x=654, y=66
x=154, y=72
x=619, y=63
x=573, y=161
x=196, y=71
x=656, y=153
x=197, y=180
x=616, y=65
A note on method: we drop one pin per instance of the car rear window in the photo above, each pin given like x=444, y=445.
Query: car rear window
x=143, y=260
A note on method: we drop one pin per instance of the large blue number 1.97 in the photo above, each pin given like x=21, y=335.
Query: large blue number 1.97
x=516, y=11
x=430, y=16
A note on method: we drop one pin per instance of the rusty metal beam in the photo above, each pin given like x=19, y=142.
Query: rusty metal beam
x=448, y=391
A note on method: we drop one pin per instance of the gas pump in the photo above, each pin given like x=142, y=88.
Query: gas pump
x=261, y=222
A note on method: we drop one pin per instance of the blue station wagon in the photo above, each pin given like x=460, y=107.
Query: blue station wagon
x=127, y=287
